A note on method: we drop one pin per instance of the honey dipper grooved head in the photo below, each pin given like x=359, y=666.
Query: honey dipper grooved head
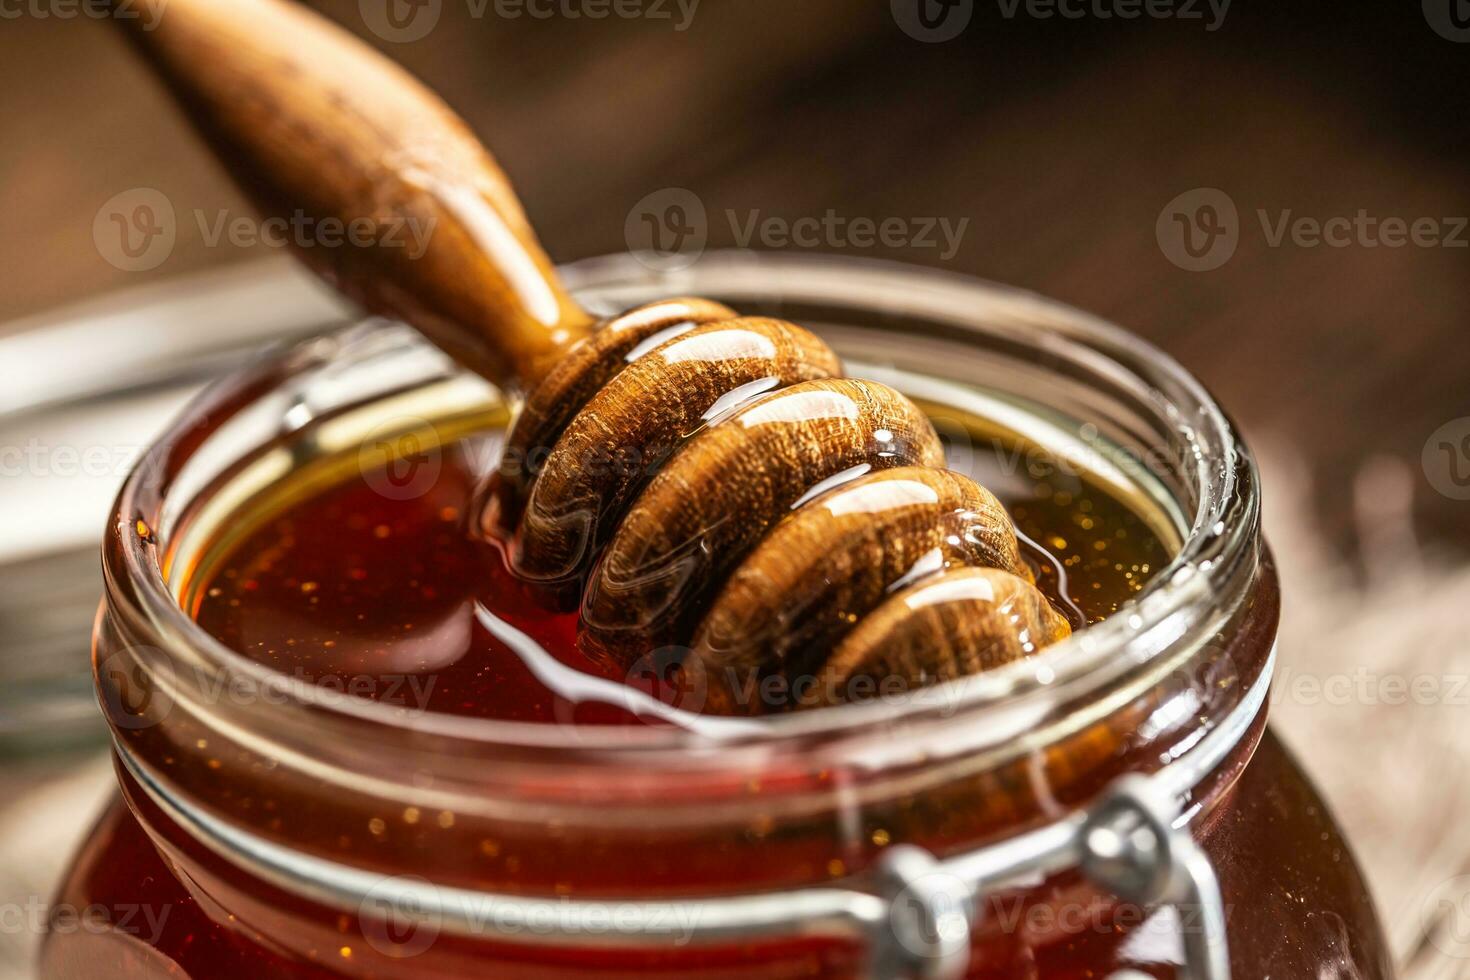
x=837, y=557
x=567, y=387
x=960, y=623
x=721, y=493
x=629, y=427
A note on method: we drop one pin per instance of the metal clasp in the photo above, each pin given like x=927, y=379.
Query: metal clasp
x=1130, y=845
x=1127, y=843
x=918, y=916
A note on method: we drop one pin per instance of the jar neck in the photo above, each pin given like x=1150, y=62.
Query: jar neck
x=1194, y=722
x=904, y=890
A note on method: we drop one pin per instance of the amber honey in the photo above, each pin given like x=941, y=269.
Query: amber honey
x=385, y=594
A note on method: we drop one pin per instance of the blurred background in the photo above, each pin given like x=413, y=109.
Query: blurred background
x=1276, y=194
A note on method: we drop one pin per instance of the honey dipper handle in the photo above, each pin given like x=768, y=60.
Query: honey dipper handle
x=399, y=206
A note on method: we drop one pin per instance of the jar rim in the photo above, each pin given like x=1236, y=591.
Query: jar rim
x=1222, y=535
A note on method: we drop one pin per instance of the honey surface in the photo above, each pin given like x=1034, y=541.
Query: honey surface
x=395, y=600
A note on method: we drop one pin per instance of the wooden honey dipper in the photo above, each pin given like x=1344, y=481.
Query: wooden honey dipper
x=708, y=479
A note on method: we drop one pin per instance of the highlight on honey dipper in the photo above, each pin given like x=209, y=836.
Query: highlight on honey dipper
x=671, y=468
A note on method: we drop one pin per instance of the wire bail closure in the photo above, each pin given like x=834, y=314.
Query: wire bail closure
x=1127, y=843
x=1133, y=842
x=917, y=915
x=1132, y=846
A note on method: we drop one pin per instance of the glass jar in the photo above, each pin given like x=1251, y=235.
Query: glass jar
x=1114, y=803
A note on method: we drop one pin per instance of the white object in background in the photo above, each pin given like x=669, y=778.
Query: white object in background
x=88, y=388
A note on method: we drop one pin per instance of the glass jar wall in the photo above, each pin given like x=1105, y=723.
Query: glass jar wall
x=273, y=825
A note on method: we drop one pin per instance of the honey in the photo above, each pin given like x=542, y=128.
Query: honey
x=387, y=596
